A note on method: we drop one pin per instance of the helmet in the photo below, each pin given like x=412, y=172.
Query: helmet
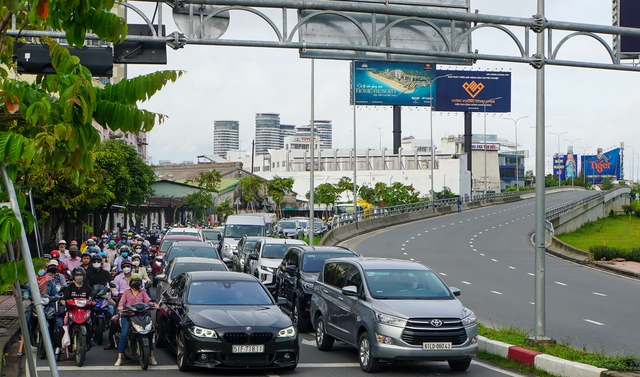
x=93, y=249
x=86, y=254
x=126, y=262
x=134, y=256
x=91, y=242
x=103, y=254
x=47, y=256
x=62, y=242
x=74, y=242
x=52, y=262
x=78, y=271
x=96, y=258
x=135, y=277
x=112, y=243
x=124, y=248
x=55, y=254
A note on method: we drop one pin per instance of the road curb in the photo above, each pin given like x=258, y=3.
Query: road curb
x=547, y=363
x=6, y=340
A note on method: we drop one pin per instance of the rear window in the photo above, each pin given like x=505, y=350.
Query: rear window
x=188, y=267
x=166, y=244
x=211, y=235
x=204, y=252
x=228, y=293
x=239, y=231
x=313, y=262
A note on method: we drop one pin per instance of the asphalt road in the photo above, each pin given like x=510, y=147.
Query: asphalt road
x=341, y=360
x=487, y=253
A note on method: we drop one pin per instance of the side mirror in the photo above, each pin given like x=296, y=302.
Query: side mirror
x=219, y=236
x=282, y=301
x=253, y=256
x=291, y=268
x=235, y=252
x=112, y=284
x=350, y=290
x=456, y=291
x=228, y=262
x=161, y=277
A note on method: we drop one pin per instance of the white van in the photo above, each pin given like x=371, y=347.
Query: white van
x=238, y=226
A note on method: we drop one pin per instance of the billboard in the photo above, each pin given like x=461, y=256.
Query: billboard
x=565, y=166
x=389, y=83
x=474, y=91
x=626, y=15
x=601, y=165
x=380, y=30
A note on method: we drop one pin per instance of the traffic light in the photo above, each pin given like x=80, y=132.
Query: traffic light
x=35, y=59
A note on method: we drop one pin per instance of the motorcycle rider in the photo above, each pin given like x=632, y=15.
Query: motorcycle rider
x=58, y=278
x=96, y=274
x=78, y=287
x=133, y=295
x=124, y=256
x=86, y=261
x=74, y=259
x=111, y=252
x=62, y=248
x=141, y=270
x=62, y=267
x=144, y=260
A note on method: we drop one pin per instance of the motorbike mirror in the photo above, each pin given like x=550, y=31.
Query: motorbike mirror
x=112, y=284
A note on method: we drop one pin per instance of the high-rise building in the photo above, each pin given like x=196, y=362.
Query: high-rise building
x=226, y=136
x=286, y=130
x=323, y=131
x=268, y=133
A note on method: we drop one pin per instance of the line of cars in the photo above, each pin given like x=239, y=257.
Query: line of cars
x=389, y=310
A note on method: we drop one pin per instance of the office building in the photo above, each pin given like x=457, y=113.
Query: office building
x=226, y=136
x=268, y=133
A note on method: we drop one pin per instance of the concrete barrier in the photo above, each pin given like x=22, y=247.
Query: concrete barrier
x=565, y=368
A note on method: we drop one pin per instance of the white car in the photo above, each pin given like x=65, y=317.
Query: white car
x=266, y=256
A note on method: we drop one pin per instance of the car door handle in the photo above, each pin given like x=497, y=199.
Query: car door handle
x=340, y=298
x=325, y=291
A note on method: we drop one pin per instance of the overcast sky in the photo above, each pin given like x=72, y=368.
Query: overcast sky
x=598, y=107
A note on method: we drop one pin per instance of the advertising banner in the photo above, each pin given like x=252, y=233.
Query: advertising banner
x=558, y=166
x=389, y=83
x=474, y=91
x=602, y=165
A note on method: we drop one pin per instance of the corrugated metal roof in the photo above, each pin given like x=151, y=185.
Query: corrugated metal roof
x=177, y=189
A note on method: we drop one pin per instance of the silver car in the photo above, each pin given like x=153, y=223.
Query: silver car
x=392, y=310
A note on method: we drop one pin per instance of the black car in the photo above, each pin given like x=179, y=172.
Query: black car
x=181, y=265
x=193, y=249
x=225, y=320
x=296, y=275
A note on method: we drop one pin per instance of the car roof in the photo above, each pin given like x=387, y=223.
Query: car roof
x=220, y=275
x=326, y=249
x=372, y=263
x=253, y=238
x=180, y=237
x=282, y=241
x=193, y=244
x=196, y=260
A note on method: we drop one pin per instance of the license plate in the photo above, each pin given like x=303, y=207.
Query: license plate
x=436, y=346
x=257, y=348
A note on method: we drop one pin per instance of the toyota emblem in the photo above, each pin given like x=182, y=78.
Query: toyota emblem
x=436, y=323
x=248, y=328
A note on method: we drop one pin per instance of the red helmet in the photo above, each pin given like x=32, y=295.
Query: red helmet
x=55, y=254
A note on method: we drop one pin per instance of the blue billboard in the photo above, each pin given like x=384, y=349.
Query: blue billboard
x=391, y=83
x=565, y=166
x=474, y=91
x=602, y=165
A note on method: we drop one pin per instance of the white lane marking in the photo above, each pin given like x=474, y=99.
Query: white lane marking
x=135, y=366
x=460, y=222
x=453, y=223
x=531, y=273
x=560, y=283
x=532, y=303
x=495, y=260
x=412, y=237
x=442, y=273
x=470, y=242
x=594, y=322
x=404, y=244
x=411, y=259
x=443, y=226
x=482, y=216
x=402, y=248
x=468, y=219
x=479, y=232
x=499, y=224
x=475, y=218
x=482, y=254
x=405, y=253
x=511, y=267
x=496, y=292
x=435, y=228
x=475, y=250
x=599, y=294
x=486, y=230
x=406, y=241
x=466, y=282
x=493, y=227
x=418, y=233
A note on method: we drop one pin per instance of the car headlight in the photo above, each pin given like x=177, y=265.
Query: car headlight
x=267, y=268
x=307, y=286
x=201, y=332
x=468, y=317
x=390, y=320
x=289, y=332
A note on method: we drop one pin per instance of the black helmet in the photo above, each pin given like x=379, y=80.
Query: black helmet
x=86, y=254
x=78, y=271
x=96, y=258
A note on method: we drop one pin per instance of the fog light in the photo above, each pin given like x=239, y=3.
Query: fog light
x=474, y=340
x=287, y=356
x=384, y=339
x=203, y=357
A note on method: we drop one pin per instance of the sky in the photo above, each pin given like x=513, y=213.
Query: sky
x=593, y=108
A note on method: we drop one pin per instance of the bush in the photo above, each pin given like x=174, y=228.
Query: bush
x=601, y=253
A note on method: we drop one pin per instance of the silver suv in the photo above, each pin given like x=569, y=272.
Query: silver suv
x=392, y=310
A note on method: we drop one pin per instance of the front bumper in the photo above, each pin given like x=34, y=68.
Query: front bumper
x=215, y=353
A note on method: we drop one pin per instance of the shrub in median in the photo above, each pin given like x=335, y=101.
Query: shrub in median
x=601, y=253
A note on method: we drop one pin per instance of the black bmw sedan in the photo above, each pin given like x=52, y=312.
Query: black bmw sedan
x=225, y=320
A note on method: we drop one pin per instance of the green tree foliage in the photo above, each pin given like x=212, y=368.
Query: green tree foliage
x=345, y=184
x=47, y=132
x=199, y=201
x=551, y=180
x=368, y=194
x=277, y=188
x=606, y=183
x=251, y=188
x=326, y=194
x=224, y=209
x=444, y=194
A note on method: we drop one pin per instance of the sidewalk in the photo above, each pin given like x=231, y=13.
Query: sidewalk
x=9, y=335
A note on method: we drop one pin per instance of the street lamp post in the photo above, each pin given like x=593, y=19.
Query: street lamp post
x=485, y=142
x=379, y=137
x=632, y=162
x=433, y=156
x=572, y=141
x=558, y=135
x=515, y=123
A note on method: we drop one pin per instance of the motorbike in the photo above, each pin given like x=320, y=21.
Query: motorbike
x=156, y=268
x=101, y=312
x=141, y=332
x=34, y=326
x=78, y=320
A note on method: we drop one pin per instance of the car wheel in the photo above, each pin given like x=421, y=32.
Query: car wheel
x=181, y=354
x=324, y=342
x=302, y=324
x=459, y=365
x=368, y=363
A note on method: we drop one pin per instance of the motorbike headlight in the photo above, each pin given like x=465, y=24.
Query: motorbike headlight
x=468, y=317
x=201, y=332
x=45, y=301
x=289, y=332
x=390, y=320
x=137, y=327
x=267, y=268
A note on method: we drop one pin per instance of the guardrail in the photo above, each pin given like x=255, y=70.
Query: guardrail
x=558, y=210
x=375, y=213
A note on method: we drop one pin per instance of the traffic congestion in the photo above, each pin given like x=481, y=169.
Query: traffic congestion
x=241, y=296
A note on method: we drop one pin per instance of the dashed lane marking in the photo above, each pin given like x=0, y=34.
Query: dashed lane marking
x=561, y=283
x=496, y=292
x=594, y=322
x=599, y=294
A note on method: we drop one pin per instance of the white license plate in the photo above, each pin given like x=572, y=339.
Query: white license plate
x=256, y=348
x=436, y=346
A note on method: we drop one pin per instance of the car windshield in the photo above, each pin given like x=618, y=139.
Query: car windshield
x=211, y=235
x=205, y=252
x=228, y=293
x=271, y=251
x=165, y=245
x=406, y=284
x=238, y=231
x=248, y=245
x=287, y=224
x=188, y=267
x=313, y=262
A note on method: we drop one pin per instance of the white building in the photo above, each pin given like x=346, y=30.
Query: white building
x=268, y=134
x=226, y=136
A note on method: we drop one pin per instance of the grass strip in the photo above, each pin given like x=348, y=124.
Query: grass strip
x=563, y=349
x=621, y=232
x=510, y=364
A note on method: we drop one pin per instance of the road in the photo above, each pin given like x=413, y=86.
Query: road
x=342, y=361
x=487, y=253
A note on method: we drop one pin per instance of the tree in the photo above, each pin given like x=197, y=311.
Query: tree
x=367, y=193
x=277, y=188
x=446, y=193
x=199, y=201
x=47, y=124
x=326, y=194
x=400, y=194
x=251, y=187
x=345, y=184
x=606, y=183
x=551, y=180
x=529, y=178
x=224, y=209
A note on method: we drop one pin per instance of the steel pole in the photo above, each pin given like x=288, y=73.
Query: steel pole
x=515, y=123
x=540, y=199
x=313, y=158
x=484, y=146
x=433, y=155
x=633, y=161
x=355, y=163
